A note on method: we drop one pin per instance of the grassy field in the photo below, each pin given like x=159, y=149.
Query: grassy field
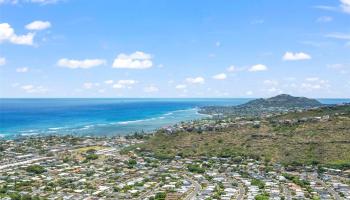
x=326, y=142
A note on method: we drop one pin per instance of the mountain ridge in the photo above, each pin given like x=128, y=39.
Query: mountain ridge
x=283, y=100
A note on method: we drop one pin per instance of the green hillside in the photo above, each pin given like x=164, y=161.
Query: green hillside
x=319, y=136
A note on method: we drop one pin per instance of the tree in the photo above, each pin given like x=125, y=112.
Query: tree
x=36, y=169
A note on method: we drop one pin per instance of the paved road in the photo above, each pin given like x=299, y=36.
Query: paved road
x=196, y=189
x=145, y=194
x=286, y=193
x=329, y=189
x=241, y=188
x=241, y=192
x=16, y=164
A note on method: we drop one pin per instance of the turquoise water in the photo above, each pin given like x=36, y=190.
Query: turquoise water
x=23, y=117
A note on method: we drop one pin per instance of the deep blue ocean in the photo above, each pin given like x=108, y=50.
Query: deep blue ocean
x=25, y=117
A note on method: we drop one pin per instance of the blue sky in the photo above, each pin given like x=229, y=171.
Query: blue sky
x=182, y=48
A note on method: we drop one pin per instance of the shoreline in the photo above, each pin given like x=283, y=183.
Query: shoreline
x=70, y=131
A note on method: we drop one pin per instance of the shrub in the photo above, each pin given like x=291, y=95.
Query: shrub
x=195, y=169
x=36, y=169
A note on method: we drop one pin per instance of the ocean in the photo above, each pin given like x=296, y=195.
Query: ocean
x=26, y=117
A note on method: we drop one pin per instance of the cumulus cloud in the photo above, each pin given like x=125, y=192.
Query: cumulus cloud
x=44, y=1
x=136, y=60
x=324, y=19
x=290, y=56
x=342, y=68
x=151, y=89
x=38, y=25
x=127, y=82
x=22, y=69
x=124, y=84
x=257, y=68
x=181, y=86
x=195, y=80
x=34, y=89
x=271, y=82
x=314, y=83
x=108, y=82
x=249, y=93
x=8, y=2
x=309, y=86
x=275, y=90
x=324, y=7
x=231, y=68
x=221, y=76
x=258, y=21
x=83, y=64
x=89, y=85
x=41, y=2
x=340, y=36
x=7, y=34
x=312, y=79
x=2, y=61
x=345, y=5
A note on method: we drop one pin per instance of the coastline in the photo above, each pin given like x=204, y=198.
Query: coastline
x=105, y=117
x=114, y=129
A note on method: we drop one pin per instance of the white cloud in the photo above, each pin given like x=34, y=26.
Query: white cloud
x=342, y=68
x=345, y=5
x=258, y=67
x=8, y=2
x=290, y=78
x=23, y=39
x=108, y=82
x=231, y=68
x=218, y=44
x=27, y=87
x=127, y=82
x=8, y=34
x=22, y=69
x=221, y=76
x=42, y=2
x=181, y=86
x=309, y=86
x=89, y=85
x=324, y=19
x=314, y=83
x=258, y=21
x=83, y=64
x=2, y=61
x=249, y=93
x=340, y=36
x=118, y=86
x=136, y=60
x=324, y=7
x=151, y=89
x=34, y=89
x=196, y=80
x=312, y=79
x=271, y=82
x=124, y=84
x=336, y=66
x=38, y=25
x=290, y=56
x=275, y=90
